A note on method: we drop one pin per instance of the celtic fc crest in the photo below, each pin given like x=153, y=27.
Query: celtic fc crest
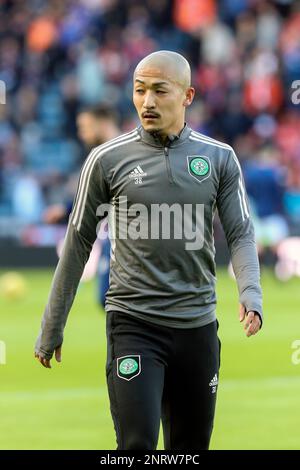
x=199, y=167
x=128, y=367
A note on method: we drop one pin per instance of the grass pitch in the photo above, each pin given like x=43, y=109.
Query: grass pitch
x=67, y=407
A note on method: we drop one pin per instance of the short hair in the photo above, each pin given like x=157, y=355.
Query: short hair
x=100, y=111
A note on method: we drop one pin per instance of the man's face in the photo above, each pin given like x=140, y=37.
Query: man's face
x=159, y=101
x=91, y=130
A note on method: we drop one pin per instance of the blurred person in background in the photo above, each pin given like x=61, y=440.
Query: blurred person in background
x=266, y=183
x=95, y=126
x=245, y=55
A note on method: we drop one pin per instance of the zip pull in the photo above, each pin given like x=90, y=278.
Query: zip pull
x=169, y=169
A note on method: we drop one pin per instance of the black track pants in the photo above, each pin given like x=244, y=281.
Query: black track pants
x=156, y=372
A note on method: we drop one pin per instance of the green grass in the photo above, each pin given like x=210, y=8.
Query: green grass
x=67, y=407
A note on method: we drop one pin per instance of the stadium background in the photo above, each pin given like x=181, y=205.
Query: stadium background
x=56, y=57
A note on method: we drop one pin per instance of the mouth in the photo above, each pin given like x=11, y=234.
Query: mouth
x=149, y=115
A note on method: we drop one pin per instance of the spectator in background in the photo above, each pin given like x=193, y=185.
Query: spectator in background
x=265, y=181
x=95, y=125
x=56, y=57
x=28, y=203
x=292, y=197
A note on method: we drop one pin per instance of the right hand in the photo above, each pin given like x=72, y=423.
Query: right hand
x=46, y=362
x=251, y=319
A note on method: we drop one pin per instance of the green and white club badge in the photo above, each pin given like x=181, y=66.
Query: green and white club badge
x=128, y=367
x=199, y=167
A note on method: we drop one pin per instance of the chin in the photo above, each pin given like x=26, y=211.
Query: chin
x=151, y=128
x=154, y=130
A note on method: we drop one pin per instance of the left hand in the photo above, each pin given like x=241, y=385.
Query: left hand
x=46, y=362
x=252, y=321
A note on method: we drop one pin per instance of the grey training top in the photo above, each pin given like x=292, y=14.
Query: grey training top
x=158, y=197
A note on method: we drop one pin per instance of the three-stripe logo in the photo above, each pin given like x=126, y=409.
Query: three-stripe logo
x=87, y=169
x=196, y=137
x=137, y=174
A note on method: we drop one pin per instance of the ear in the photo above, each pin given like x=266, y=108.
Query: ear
x=189, y=96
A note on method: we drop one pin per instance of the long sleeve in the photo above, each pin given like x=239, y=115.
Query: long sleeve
x=81, y=233
x=233, y=209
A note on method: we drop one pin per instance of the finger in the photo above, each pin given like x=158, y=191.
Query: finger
x=242, y=312
x=257, y=326
x=254, y=327
x=58, y=354
x=251, y=331
x=38, y=358
x=44, y=362
x=41, y=360
x=249, y=319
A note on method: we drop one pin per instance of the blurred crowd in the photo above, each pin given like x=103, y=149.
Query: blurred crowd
x=57, y=57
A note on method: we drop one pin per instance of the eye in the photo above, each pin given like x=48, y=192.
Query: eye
x=139, y=90
x=162, y=92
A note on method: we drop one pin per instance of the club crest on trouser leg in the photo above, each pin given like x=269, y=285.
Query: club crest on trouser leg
x=129, y=366
x=199, y=167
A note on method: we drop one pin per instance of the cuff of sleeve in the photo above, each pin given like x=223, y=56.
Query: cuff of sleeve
x=251, y=304
x=43, y=354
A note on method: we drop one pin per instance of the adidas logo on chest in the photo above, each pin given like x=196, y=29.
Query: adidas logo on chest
x=137, y=174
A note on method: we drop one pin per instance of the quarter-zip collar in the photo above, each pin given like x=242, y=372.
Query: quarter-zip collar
x=154, y=139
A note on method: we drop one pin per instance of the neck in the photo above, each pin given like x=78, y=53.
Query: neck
x=164, y=136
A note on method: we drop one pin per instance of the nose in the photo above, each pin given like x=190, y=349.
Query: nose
x=149, y=101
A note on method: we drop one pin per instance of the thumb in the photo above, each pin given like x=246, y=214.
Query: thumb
x=58, y=354
x=242, y=312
